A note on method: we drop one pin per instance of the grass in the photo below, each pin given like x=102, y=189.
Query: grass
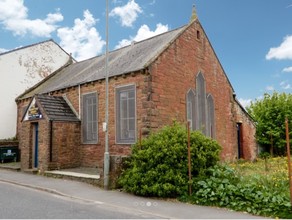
x=273, y=167
x=272, y=172
x=260, y=187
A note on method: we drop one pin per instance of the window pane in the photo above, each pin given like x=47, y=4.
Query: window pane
x=126, y=108
x=89, y=118
x=131, y=94
x=131, y=108
x=124, y=129
x=123, y=95
x=211, y=116
x=201, y=94
x=132, y=124
x=191, y=99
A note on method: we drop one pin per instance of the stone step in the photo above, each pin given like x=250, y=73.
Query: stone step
x=15, y=166
x=93, y=179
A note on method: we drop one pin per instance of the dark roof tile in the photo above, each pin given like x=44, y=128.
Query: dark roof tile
x=56, y=108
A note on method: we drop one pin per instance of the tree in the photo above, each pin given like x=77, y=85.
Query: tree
x=269, y=114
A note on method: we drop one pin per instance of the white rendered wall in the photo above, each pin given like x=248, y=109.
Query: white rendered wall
x=21, y=69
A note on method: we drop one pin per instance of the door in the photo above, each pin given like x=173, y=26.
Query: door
x=239, y=141
x=35, y=145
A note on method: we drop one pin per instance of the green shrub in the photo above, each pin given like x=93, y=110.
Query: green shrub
x=256, y=194
x=160, y=166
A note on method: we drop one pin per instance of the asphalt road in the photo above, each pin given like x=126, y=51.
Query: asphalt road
x=30, y=196
x=25, y=203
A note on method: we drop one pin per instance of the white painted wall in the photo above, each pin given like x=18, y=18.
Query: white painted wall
x=20, y=69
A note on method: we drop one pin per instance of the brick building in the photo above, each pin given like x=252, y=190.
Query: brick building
x=172, y=76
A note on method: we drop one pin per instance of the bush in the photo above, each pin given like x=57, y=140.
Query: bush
x=256, y=194
x=160, y=166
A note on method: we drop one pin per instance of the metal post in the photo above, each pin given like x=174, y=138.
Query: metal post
x=106, y=152
x=140, y=138
x=189, y=159
x=289, y=158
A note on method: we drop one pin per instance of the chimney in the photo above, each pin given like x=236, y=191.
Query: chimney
x=194, y=14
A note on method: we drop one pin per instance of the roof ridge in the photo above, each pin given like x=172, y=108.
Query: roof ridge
x=27, y=46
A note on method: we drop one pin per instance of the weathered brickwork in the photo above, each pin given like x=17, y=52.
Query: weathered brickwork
x=161, y=90
x=248, y=143
x=175, y=71
x=65, y=144
x=58, y=142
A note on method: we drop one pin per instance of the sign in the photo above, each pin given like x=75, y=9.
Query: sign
x=34, y=112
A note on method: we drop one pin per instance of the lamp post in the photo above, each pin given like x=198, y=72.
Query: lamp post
x=105, y=125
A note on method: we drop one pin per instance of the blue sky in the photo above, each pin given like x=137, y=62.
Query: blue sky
x=252, y=38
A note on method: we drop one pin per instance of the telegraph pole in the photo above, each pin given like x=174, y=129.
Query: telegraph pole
x=105, y=125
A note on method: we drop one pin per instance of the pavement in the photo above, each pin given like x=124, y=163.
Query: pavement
x=169, y=209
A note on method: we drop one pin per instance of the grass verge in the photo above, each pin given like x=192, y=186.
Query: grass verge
x=260, y=188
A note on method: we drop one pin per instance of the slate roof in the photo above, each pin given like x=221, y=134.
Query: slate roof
x=56, y=108
x=128, y=59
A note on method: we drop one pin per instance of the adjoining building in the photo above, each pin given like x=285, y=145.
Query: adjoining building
x=20, y=69
x=172, y=76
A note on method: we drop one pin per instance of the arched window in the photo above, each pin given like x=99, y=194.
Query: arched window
x=201, y=103
x=210, y=116
x=191, y=109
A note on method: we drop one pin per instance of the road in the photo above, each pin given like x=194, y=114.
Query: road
x=25, y=203
x=30, y=196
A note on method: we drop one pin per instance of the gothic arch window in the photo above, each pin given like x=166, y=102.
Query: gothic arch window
x=191, y=109
x=210, y=116
x=201, y=103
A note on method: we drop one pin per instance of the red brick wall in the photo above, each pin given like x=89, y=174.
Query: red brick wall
x=26, y=144
x=66, y=144
x=249, y=146
x=174, y=73
x=92, y=154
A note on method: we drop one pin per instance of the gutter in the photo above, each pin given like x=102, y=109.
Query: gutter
x=51, y=140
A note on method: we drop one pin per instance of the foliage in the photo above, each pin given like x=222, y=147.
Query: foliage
x=9, y=139
x=269, y=114
x=246, y=187
x=160, y=166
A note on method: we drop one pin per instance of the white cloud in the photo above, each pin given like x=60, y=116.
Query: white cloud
x=285, y=85
x=270, y=88
x=2, y=50
x=143, y=33
x=14, y=17
x=287, y=69
x=82, y=40
x=127, y=13
x=245, y=102
x=153, y=2
x=284, y=51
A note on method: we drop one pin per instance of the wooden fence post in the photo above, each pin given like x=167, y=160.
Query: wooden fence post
x=189, y=159
x=289, y=158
